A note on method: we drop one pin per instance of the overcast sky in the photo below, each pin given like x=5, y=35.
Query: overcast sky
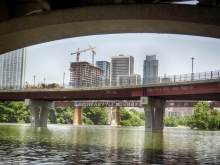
x=174, y=52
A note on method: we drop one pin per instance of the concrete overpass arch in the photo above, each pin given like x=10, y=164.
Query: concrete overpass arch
x=109, y=19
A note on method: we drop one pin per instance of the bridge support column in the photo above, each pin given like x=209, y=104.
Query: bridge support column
x=159, y=115
x=154, y=114
x=149, y=118
x=116, y=116
x=77, y=116
x=43, y=116
x=34, y=116
x=39, y=112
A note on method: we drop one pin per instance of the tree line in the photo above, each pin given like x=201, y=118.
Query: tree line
x=18, y=112
x=203, y=118
x=95, y=116
x=14, y=112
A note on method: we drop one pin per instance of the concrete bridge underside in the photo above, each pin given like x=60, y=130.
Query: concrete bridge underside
x=108, y=19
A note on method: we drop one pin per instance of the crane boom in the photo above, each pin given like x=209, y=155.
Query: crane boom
x=78, y=52
x=93, y=53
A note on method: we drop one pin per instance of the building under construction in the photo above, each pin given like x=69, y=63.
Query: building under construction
x=83, y=74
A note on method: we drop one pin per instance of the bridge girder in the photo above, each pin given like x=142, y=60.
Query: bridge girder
x=209, y=91
x=108, y=19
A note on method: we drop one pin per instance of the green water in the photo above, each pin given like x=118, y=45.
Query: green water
x=68, y=144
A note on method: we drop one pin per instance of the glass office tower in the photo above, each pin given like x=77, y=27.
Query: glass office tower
x=105, y=65
x=150, y=69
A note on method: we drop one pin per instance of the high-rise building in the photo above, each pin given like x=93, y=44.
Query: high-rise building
x=85, y=75
x=121, y=65
x=126, y=80
x=105, y=65
x=150, y=69
x=12, y=69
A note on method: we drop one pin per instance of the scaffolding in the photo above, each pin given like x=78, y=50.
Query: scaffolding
x=87, y=75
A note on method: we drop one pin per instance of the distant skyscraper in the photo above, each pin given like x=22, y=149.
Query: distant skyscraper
x=12, y=69
x=105, y=65
x=150, y=69
x=121, y=65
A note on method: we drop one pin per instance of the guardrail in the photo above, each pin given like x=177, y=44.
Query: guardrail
x=129, y=82
x=194, y=76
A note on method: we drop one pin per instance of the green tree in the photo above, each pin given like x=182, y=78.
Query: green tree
x=170, y=121
x=136, y=121
x=53, y=85
x=52, y=116
x=125, y=115
x=125, y=123
x=68, y=115
x=181, y=120
x=201, y=117
x=134, y=111
x=142, y=115
x=43, y=85
x=14, y=111
x=98, y=115
x=215, y=120
x=131, y=117
x=62, y=115
x=86, y=120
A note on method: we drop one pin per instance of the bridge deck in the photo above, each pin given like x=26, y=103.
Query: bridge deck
x=201, y=90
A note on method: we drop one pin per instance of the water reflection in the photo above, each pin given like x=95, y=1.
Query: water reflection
x=153, y=148
x=68, y=144
x=191, y=147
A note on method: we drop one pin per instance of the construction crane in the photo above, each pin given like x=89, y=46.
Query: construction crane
x=77, y=60
x=93, y=53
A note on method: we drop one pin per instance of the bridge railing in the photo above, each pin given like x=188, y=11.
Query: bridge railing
x=125, y=82
x=191, y=77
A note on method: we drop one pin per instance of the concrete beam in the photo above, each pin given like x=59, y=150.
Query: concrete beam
x=109, y=19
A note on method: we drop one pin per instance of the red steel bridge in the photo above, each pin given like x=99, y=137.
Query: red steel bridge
x=152, y=96
x=191, y=90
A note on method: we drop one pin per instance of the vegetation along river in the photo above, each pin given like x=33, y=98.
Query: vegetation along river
x=69, y=144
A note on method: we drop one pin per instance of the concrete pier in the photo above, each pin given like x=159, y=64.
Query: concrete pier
x=77, y=116
x=154, y=114
x=39, y=112
x=116, y=116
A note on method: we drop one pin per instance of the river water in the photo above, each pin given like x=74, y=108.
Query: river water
x=21, y=144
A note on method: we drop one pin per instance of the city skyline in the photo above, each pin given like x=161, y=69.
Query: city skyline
x=50, y=60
